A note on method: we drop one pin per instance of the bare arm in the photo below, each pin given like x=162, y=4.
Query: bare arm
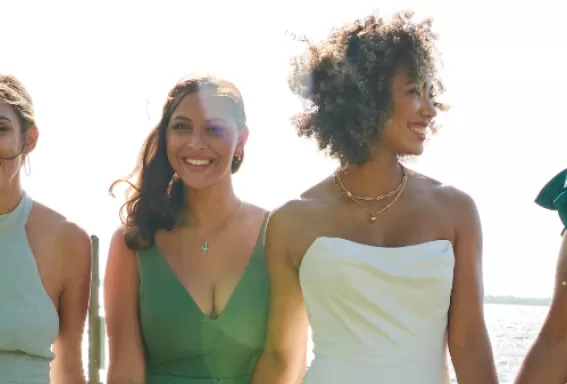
x=545, y=363
x=469, y=344
x=76, y=252
x=283, y=360
x=121, y=298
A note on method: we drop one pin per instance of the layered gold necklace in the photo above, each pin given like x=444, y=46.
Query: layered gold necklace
x=396, y=193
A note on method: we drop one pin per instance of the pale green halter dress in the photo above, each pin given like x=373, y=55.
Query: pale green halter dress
x=29, y=323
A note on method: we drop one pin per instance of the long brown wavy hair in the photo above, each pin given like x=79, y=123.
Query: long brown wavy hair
x=155, y=197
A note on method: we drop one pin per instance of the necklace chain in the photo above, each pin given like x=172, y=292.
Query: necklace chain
x=357, y=199
x=352, y=196
x=205, y=247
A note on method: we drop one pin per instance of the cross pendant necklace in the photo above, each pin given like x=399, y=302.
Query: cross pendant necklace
x=205, y=247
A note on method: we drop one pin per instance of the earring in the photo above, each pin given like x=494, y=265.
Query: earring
x=27, y=165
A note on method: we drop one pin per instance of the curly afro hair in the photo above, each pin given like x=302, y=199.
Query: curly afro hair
x=346, y=81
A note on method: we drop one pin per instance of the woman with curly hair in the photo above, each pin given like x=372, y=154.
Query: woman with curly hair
x=186, y=286
x=384, y=263
x=545, y=362
x=45, y=264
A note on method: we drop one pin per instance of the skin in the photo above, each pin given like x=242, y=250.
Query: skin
x=201, y=126
x=545, y=362
x=62, y=252
x=322, y=211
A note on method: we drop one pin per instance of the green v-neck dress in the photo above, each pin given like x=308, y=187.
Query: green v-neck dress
x=182, y=345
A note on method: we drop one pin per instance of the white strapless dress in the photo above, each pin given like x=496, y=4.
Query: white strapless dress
x=378, y=315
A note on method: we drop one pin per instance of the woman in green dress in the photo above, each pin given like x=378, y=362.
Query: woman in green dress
x=546, y=360
x=186, y=288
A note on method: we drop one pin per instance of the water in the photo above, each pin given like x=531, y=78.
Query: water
x=512, y=330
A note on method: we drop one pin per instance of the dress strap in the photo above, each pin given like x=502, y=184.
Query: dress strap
x=264, y=227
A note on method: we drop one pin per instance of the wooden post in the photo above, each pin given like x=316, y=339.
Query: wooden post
x=95, y=337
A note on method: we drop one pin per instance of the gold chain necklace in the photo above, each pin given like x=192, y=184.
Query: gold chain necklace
x=205, y=247
x=356, y=199
x=339, y=183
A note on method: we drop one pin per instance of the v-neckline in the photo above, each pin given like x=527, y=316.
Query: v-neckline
x=240, y=281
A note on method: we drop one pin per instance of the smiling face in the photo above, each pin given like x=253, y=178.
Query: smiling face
x=18, y=133
x=203, y=137
x=14, y=145
x=413, y=111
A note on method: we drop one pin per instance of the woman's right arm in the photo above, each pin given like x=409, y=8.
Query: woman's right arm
x=545, y=362
x=121, y=298
x=283, y=358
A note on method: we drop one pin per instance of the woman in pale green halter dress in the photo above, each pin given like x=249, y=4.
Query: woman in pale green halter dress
x=44, y=264
x=546, y=361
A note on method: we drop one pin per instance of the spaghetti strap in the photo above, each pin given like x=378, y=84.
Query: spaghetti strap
x=264, y=227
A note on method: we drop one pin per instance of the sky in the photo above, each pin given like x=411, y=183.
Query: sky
x=99, y=73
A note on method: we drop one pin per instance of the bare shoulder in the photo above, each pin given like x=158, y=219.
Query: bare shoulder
x=121, y=264
x=293, y=226
x=295, y=213
x=68, y=237
x=118, y=244
x=284, y=233
x=75, y=239
x=283, y=219
x=447, y=196
x=292, y=210
x=255, y=212
x=255, y=208
x=62, y=242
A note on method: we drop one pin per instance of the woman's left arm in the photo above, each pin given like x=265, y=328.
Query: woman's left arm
x=468, y=340
x=76, y=253
x=545, y=361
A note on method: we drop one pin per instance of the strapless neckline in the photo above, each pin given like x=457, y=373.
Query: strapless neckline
x=375, y=247
x=422, y=244
x=377, y=313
